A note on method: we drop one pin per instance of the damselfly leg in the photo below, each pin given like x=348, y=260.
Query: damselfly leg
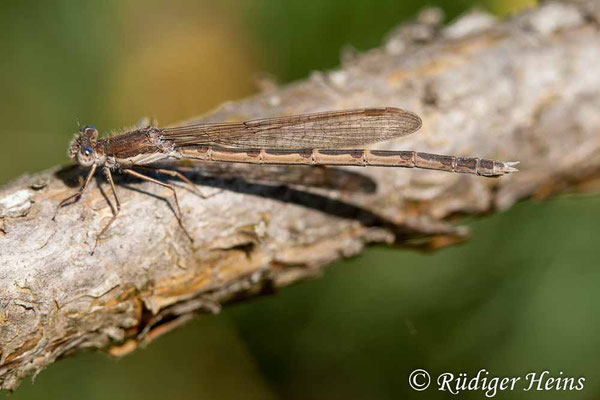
x=116, y=208
x=178, y=213
x=76, y=196
x=176, y=174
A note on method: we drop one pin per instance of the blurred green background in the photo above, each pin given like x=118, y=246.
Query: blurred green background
x=521, y=296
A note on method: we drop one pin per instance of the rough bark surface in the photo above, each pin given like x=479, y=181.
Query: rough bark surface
x=526, y=88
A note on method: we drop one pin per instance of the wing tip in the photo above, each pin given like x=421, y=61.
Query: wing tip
x=416, y=120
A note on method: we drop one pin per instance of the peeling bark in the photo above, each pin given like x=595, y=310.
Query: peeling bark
x=525, y=89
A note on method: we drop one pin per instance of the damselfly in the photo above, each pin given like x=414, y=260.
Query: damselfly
x=311, y=139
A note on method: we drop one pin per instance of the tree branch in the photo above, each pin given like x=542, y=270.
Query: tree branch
x=523, y=89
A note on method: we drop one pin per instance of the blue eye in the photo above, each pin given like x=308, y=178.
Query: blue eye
x=88, y=150
x=91, y=127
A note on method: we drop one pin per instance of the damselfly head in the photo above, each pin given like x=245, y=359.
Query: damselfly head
x=82, y=148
